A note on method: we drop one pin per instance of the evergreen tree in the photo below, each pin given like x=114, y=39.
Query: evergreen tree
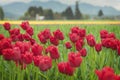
x=100, y=13
x=78, y=14
x=1, y=14
x=68, y=13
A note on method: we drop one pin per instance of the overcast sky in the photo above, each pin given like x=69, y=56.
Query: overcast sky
x=113, y=3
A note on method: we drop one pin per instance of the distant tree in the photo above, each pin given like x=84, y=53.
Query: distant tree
x=100, y=13
x=48, y=13
x=32, y=11
x=40, y=11
x=78, y=14
x=68, y=13
x=1, y=14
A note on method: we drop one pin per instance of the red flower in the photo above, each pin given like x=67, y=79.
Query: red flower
x=74, y=37
x=36, y=60
x=68, y=45
x=20, y=37
x=37, y=49
x=26, y=36
x=30, y=31
x=118, y=50
x=46, y=33
x=65, y=68
x=58, y=35
x=45, y=63
x=111, y=35
x=14, y=31
x=82, y=33
x=54, y=41
x=25, y=25
x=1, y=36
x=103, y=34
x=91, y=40
x=79, y=44
x=42, y=38
x=17, y=54
x=8, y=54
x=27, y=58
x=6, y=26
x=98, y=47
x=75, y=30
x=54, y=52
x=106, y=73
x=74, y=59
x=32, y=41
x=83, y=52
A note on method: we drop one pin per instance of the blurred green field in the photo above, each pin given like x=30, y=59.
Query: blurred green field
x=85, y=71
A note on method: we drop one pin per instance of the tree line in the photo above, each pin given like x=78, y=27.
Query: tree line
x=67, y=14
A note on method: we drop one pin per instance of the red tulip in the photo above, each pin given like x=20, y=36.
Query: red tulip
x=54, y=41
x=106, y=73
x=75, y=30
x=90, y=40
x=27, y=57
x=74, y=59
x=45, y=63
x=46, y=33
x=98, y=47
x=68, y=45
x=83, y=52
x=30, y=31
x=17, y=54
x=37, y=49
x=26, y=36
x=42, y=38
x=25, y=25
x=1, y=36
x=7, y=26
x=58, y=35
x=73, y=37
x=20, y=37
x=8, y=54
x=82, y=33
x=79, y=44
x=103, y=34
x=54, y=52
x=65, y=68
x=14, y=31
x=111, y=35
x=36, y=60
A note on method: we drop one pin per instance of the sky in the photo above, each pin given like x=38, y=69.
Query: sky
x=112, y=3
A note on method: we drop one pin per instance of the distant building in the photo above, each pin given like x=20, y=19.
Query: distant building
x=39, y=17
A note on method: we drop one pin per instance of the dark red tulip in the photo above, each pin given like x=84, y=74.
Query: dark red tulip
x=30, y=31
x=103, y=34
x=65, y=68
x=90, y=40
x=26, y=36
x=106, y=73
x=58, y=35
x=54, y=40
x=8, y=54
x=82, y=33
x=27, y=57
x=42, y=38
x=36, y=60
x=46, y=33
x=79, y=44
x=14, y=31
x=1, y=36
x=54, y=52
x=25, y=25
x=37, y=49
x=111, y=35
x=68, y=45
x=45, y=63
x=17, y=54
x=98, y=47
x=83, y=52
x=20, y=37
x=7, y=26
x=74, y=59
x=73, y=37
x=75, y=29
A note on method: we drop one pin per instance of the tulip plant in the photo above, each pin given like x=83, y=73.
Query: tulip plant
x=61, y=54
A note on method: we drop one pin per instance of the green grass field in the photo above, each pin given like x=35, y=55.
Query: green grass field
x=8, y=70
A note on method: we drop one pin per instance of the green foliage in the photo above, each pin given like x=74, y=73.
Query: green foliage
x=48, y=13
x=1, y=14
x=100, y=13
x=68, y=13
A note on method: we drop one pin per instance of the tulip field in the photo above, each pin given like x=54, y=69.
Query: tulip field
x=59, y=52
